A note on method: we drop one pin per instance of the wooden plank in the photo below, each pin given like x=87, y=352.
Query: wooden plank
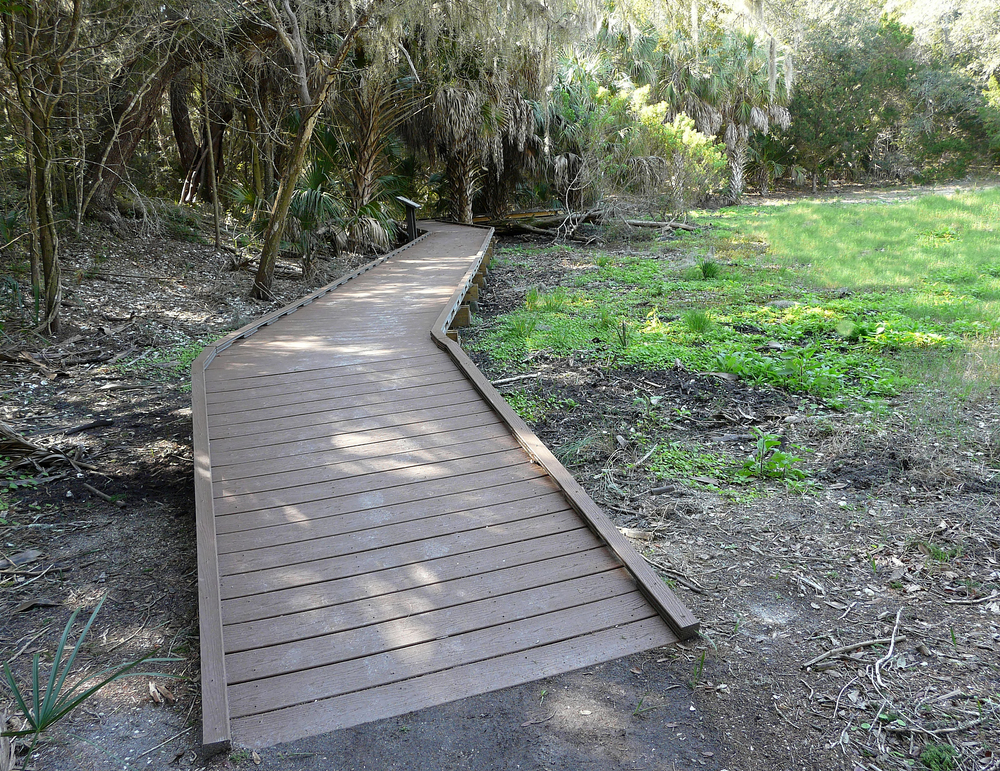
x=399, y=698
x=374, y=516
x=214, y=698
x=322, y=638
x=468, y=544
x=219, y=389
x=378, y=480
x=258, y=696
x=223, y=401
x=358, y=461
x=319, y=423
x=312, y=402
x=286, y=367
x=416, y=492
x=580, y=548
x=308, y=549
x=382, y=442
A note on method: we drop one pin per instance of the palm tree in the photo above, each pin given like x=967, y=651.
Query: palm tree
x=738, y=91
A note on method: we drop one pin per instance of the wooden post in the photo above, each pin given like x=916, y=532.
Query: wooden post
x=411, y=217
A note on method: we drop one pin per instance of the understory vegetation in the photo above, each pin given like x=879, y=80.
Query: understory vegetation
x=846, y=304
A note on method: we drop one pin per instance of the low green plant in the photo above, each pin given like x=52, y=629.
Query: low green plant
x=697, y=320
x=605, y=318
x=49, y=702
x=624, y=334
x=770, y=460
x=522, y=327
x=939, y=757
x=554, y=301
x=640, y=709
x=699, y=667
x=9, y=221
x=709, y=269
x=942, y=553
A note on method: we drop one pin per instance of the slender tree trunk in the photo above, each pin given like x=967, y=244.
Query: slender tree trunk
x=294, y=163
x=737, y=170
x=180, y=119
x=256, y=160
x=213, y=179
x=136, y=95
x=45, y=271
x=311, y=107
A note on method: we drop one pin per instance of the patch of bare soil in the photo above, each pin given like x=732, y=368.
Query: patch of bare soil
x=897, y=541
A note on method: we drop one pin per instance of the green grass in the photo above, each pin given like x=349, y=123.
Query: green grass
x=939, y=254
x=845, y=302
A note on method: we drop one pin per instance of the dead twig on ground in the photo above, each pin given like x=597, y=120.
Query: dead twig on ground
x=849, y=648
x=877, y=669
x=103, y=496
x=516, y=378
x=679, y=577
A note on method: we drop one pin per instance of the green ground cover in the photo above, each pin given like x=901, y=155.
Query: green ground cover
x=846, y=302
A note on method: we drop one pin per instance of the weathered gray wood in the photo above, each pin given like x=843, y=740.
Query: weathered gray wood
x=332, y=635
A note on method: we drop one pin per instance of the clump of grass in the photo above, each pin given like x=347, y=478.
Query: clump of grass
x=554, y=301
x=546, y=302
x=605, y=319
x=523, y=326
x=624, y=334
x=709, y=269
x=697, y=320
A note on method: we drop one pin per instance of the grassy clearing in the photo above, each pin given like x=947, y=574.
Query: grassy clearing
x=845, y=302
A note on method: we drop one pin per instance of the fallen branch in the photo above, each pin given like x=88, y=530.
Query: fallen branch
x=99, y=423
x=515, y=378
x=849, y=648
x=104, y=496
x=877, y=679
x=672, y=224
x=897, y=729
x=994, y=596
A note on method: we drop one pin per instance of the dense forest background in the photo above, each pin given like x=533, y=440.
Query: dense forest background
x=299, y=121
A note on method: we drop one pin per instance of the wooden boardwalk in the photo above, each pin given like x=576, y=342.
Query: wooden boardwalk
x=377, y=531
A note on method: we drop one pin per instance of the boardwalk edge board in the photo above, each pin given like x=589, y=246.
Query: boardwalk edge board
x=216, y=732
x=681, y=621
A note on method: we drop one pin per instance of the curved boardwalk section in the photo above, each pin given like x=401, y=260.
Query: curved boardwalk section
x=377, y=531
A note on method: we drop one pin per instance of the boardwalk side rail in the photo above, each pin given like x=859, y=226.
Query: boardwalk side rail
x=216, y=735
x=674, y=612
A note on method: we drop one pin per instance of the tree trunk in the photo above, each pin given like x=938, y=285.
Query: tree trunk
x=48, y=237
x=296, y=158
x=221, y=113
x=737, y=170
x=295, y=162
x=136, y=95
x=462, y=171
x=45, y=272
x=180, y=119
x=256, y=160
